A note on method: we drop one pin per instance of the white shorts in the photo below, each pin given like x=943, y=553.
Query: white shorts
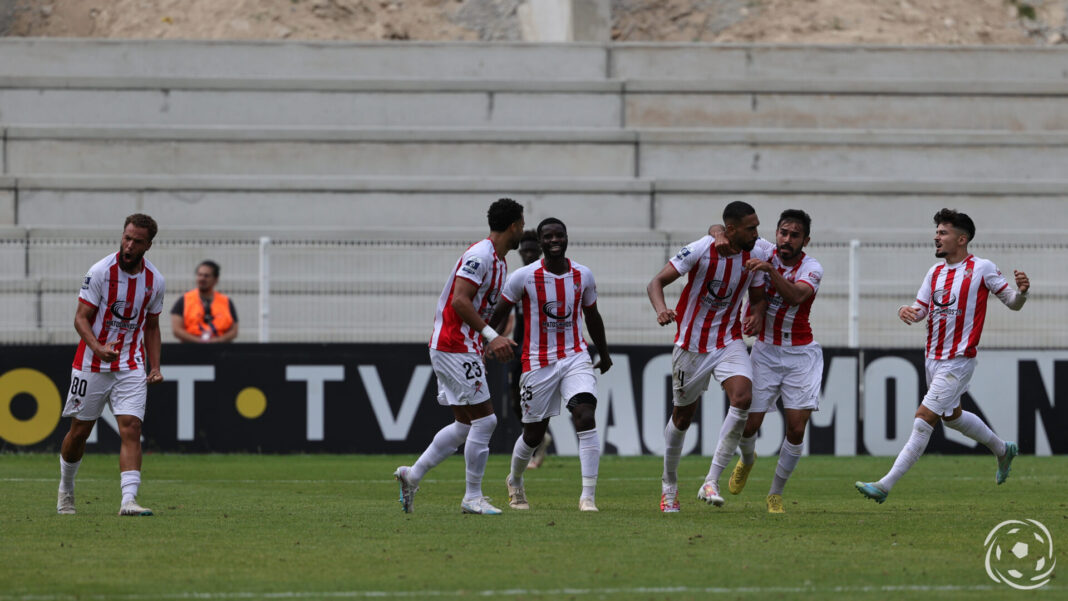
x=691, y=372
x=461, y=378
x=125, y=391
x=794, y=373
x=947, y=381
x=542, y=389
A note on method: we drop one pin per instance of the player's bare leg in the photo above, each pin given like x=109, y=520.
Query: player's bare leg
x=130, y=465
x=739, y=391
x=70, y=458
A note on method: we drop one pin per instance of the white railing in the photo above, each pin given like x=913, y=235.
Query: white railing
x=345, y=289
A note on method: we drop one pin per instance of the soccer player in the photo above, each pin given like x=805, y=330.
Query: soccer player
x=529, y=251
x=118, y=321
x=556, y=293
x=787, y=362
x=953, y=299
x=456, y=348
x=708, y=341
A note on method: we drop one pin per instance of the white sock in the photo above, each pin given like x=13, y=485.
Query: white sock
x=921, y=433
x=673, y=439
x=789, y=455
x=971, y=426
x=476, y=452
x=130, y=482
x=67, y=472
x=747, y=445
x=445, y=443
x=589, y=460
x=521, y=454
x=729, y=434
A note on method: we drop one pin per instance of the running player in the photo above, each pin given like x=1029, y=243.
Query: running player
x=456, y=349
x=118, y=321
x=556, y=293
x=709, y=342
x=953, y=299
x=787, y=362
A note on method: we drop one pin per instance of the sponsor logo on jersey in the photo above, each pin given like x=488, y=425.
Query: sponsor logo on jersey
x=684, y=252
x=85, y=282
x=713, y=289
x=951, y=299
x=117, y=309
x=556, y=310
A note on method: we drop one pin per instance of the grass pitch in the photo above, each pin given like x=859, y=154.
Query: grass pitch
x=328, y=526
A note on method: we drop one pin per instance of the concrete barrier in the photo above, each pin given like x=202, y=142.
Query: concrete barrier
x=57, y=57
x=486, y=107
x=869, y=63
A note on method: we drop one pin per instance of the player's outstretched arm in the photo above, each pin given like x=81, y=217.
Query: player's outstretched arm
x=595, y=325
x=1015, y=299
x=463, y=294
x=655, y=290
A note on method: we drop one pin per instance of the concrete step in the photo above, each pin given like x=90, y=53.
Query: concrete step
x=530, y=152
x=245, y=208
x=371, y=104
x=56, y=57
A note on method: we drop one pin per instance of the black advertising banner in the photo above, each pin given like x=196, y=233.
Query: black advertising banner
x=380, y=398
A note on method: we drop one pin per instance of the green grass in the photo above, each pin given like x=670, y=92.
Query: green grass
x=314, y=526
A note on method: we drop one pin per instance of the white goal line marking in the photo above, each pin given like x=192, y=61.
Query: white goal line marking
x=747, y=590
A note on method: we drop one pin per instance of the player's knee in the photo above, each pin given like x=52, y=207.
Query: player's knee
x=742, y=400
x=583, y=408
x=795, y=435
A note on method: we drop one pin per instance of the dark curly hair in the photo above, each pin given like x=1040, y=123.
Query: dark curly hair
x=959, y=221
x=503, y=213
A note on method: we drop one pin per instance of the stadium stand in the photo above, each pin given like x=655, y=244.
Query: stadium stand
x=368, y=165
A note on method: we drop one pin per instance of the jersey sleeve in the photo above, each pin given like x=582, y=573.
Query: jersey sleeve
x=155, y=303
x=992, y=277
x=179, y=306
x=689, y=255
x=811, y=274
x=999, y=285
x=474, y=267
x=589, y=288
x=513, y=287
x=92, y=292
x=233, y=310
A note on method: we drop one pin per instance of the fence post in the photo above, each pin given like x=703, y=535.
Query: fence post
x=265, y=287
x=854, y=294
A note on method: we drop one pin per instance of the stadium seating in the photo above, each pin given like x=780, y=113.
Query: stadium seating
x=372, y=158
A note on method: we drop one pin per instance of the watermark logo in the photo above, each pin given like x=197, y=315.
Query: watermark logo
x=1020, y=554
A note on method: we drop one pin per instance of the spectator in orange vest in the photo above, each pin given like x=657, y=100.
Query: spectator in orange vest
x=202, y=314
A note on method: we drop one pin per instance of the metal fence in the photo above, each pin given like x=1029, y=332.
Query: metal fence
x=353, y=290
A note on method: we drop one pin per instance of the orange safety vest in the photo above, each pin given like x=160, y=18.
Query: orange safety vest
x=221, y=319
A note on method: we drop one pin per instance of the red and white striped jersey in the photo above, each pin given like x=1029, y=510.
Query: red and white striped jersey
x=122, y=301
x=954, y=297
x=552, y=310
x=787, y=325
x=480, y=265
x=708, y=310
